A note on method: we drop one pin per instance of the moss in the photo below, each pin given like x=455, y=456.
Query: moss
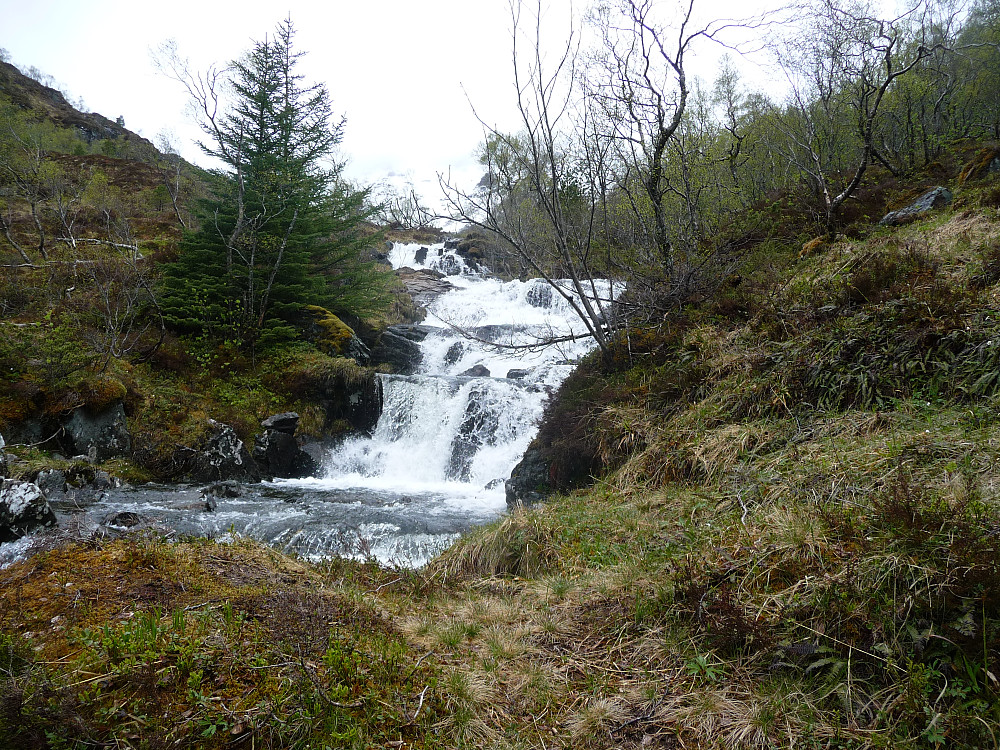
x=333, y=336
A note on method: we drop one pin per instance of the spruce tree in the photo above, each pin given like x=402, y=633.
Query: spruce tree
x=282, y=229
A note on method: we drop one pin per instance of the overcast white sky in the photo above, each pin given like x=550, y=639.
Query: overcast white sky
x=402, y=71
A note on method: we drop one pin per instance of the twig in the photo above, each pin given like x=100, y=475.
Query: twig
x=421, y=704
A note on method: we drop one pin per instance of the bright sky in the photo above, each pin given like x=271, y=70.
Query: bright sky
x=403, y=71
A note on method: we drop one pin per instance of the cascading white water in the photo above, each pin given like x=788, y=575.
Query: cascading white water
x=437, y=460
x=460, y=436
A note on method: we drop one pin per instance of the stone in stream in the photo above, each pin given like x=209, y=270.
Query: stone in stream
x=23, y=508
x=220, y=455
x=477, y=371
x=277, y=452
x=99, y=436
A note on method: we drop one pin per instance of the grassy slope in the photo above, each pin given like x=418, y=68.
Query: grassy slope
x=796, y=546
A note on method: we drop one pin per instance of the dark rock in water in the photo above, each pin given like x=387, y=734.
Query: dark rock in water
x=100, y=436
x=478, y=428
x=227, y=488
x=104, y=481
x=477, y=371
x=411, y=332
x=935, y=198
x=124, y=520
x=276, y=453
x=452, y=243
x=451, y=266
x=397, y=349
x=540, y=295
x=221, y=455
x=23, y=508
x=421, y=255
x=454, y=353
x=285, y=422
x=211, y=503
x=530, y=482
x=517, y=374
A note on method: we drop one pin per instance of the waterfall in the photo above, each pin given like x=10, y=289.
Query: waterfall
x=443, y=430
x=448, y=436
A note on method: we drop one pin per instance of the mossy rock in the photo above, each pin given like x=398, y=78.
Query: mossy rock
x=331, y=335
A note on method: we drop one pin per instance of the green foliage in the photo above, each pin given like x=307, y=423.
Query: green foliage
x=282, y=229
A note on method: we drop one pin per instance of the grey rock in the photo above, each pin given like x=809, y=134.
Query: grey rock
x=225, y=488
x=454, y=353
x=4, y=467
x=99, y=436
x=284, y=422
x=477, y=371
x=221, y=455
x=23, y=508
x=539, y=295
x=399, y=351
x=530, y=482
x=516, y=374
x=452, y=243
x=932, y=199
x=125, y=519
x=51, y=482
x=421, y=255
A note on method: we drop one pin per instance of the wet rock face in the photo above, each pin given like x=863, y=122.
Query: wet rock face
x=277, y=452
x=477, y=371
x=530, y=482
x=23, y=508
x=935, y=198
x=98, y=436
x=398, y=347
x=222, y=455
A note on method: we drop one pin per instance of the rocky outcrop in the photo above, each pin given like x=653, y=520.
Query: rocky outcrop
x=423, y=285
x=935, y=198
x=397, y=346
x=220, y=455
x=477, y=371
x=99, y=436
x=277, y=452
x=517, y=374
x=530, y=482
x=23, y=508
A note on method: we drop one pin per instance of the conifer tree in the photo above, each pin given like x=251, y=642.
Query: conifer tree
x=282, y=229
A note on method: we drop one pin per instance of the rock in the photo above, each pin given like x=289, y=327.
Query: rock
x=454, y=353
x=983, y=164
x=226, y=488
x=221, y=455
x=51, y=481
x=284, y=422
x=125, y=519
x=452, y=243
x=398, y=350
x=277, y=452
x=477, y=371
x=423, y=284
x=539, y=295
x=99, y=436
x=23, y=508
x=421, y=255
x=4, y=467
x=334, y=337
x=516, y=374
x=530, y=482
x=104, y=481
x=934, y=198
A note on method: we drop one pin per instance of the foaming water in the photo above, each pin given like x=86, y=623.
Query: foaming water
x=436, y=462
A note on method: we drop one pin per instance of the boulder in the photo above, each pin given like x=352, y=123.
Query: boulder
x=454, y=353
x=51, y=481
x=284, y=422
x=539, y=295
x=226, y=488
x=516, y=374
x=423, y=284
x=477, y=371
x=932, y=199
x=530, y=482
x=277, y=452
x=452, y=243
x=396, y=349
x=99, y=436
x=420, y=256
x=220, y=455
x=334, y=337
x=23, y=508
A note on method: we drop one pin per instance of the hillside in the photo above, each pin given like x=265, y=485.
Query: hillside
x=792, y=543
